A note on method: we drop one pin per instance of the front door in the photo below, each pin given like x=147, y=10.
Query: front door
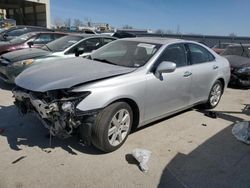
x=171, y=92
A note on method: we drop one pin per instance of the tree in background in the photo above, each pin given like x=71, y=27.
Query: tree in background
x=232, y=35
x=77, y=23
x=58, y=22
x=67, y=22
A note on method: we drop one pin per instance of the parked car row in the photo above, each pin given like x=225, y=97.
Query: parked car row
x=13, y=63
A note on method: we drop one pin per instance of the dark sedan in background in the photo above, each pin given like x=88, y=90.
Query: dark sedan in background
x=19, y=30
x=34, y=39
x=238, y=56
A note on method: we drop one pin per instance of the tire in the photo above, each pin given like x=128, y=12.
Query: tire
x=214, y=95
x=116, y=118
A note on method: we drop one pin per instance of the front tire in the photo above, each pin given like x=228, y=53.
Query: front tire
x=214, y=95
x=112, y=127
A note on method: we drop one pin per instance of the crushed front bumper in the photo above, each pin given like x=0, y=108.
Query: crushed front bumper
x=60, y=123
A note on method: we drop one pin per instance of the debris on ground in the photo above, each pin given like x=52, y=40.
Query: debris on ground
x=211, y=114
x=47, y=151
x=142, y=156
x=204, y=124
x=241, y=131
x=19, y=159
x=1, y=130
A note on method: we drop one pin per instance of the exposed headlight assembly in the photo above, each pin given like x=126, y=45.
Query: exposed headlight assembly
x=69, y=104
x=23, y=63
x=244, y=70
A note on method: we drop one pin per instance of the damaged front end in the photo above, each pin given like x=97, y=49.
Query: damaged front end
x=58, y=111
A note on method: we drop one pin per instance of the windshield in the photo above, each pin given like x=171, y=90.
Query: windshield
x=62, y=43
x=237, y=50
x=126, y=53
x=22, y=38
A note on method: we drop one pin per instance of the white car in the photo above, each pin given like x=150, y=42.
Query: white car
x=13, y=63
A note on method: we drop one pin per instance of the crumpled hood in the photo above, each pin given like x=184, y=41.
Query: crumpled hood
x=24, y=54
x=66, y=73
x=237, y=61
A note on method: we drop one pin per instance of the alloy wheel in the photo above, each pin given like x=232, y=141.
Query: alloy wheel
x=119, y=127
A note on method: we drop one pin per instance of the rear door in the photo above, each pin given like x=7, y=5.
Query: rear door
x=204, y=69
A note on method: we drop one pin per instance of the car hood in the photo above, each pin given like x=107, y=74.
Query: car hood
x=66, y=74
x=24, y=54
x=237, y=61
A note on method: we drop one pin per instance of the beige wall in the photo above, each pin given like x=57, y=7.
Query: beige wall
x=47, y=4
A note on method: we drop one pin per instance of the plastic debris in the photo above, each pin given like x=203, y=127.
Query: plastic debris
x=19, y=159
x=142, y=156
x=241, y=131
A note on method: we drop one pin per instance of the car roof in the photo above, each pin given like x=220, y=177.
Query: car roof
x=157, y=40
x=89, y=35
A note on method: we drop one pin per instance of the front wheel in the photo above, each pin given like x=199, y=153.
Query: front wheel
x=112, y=127
x=215, y=95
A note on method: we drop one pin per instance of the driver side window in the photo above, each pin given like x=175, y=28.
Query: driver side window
x=175, y=53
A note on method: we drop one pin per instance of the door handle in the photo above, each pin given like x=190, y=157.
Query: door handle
x=215, y=67
x=187, y=74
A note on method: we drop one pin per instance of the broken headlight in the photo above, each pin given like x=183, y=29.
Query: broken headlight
x=69, y=104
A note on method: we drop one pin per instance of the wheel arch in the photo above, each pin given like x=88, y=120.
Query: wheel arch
x=222, y=82
x=135, y=109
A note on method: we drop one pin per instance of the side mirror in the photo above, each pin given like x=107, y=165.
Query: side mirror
x=79, y=51
x=165, y=67
x=30, y=43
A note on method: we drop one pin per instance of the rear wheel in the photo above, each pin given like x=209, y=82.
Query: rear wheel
x=215, y=95
x=112, y=127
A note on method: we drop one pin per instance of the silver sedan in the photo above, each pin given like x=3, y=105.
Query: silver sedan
x=121, y=86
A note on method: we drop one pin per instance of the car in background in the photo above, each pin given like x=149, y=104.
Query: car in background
x=124, y=85
x=14, y=32
x=219, y=48
x=238, y=56
x=7, y=23
x=13, y=63
x=34, y=39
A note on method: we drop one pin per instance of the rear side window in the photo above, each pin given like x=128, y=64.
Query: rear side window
x=89, y=45
x=199, y=54
x=57, y=36
x=107, y=40
x=43, y=39
x=175, y=53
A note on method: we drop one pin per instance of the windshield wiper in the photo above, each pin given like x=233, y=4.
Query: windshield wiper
x=104, y=61
x=48, y=47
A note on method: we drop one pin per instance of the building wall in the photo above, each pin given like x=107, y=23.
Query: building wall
x=28, y=12
x=47, y=9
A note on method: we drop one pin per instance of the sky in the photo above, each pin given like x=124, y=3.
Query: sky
x=212, y=17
